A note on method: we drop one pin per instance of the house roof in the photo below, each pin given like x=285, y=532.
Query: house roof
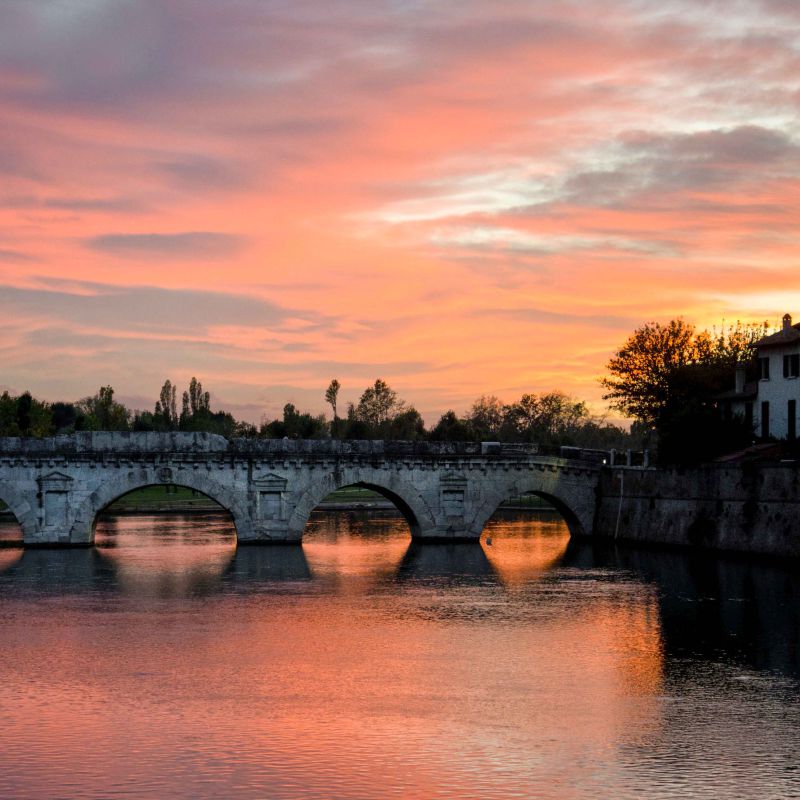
x=790, y=335
x=768, y=451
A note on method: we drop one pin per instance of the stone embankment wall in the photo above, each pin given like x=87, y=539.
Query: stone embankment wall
x=746, y=508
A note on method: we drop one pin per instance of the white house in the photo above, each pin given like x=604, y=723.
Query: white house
x=771, y=402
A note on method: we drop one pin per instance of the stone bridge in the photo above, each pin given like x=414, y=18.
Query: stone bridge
x=446, y=491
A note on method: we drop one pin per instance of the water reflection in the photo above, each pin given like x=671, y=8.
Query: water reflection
x=167, y=555
x=522, y=548
x=709, y=607
x=459, y=563
x=10, y=531
x=712, y=607
x=363, y=664
x=9, y=557
x=355, y=551
x=253, y=565
x=57, y=572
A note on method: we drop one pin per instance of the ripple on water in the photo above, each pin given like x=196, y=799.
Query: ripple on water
x=167, y=663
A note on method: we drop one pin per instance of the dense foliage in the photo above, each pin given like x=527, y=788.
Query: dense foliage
x=662, y=365
x=24, y=416
x=668, y=378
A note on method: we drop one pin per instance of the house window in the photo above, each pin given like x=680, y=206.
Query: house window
x=791, y=416
x=765, y=419
x=763, y=369
x=791, y=366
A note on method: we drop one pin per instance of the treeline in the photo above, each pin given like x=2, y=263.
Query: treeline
x=553, y=419
x=668, y=377
x=24, y=415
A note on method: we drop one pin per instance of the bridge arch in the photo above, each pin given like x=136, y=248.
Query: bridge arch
x=568, y=498
x=23, y=506
x=82, y=531
x=408, y=501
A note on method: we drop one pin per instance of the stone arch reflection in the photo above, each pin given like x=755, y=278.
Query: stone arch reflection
x=356, y=536
x=526, y=537
x=457, y=562
x=16, y=516
x=58, y=572
x=398, y=493
x=11, y=534
x=167, y=555
x=252, y=568
x=166, y=541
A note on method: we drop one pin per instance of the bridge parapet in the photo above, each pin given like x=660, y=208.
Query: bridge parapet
x=201, y=442
x=89, y=442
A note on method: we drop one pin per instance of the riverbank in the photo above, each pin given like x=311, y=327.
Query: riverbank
x=167, y=507
x=177, y=499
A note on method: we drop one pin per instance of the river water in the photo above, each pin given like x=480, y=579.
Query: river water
x=166, y=663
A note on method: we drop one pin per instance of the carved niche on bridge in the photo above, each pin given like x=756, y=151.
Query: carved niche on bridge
x=54, y=491
x=452, y=488
x=164, y=474
x=271, y=496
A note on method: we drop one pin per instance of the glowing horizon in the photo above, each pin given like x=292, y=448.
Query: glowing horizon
x=460, y=199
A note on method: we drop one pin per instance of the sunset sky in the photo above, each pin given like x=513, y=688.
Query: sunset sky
x=458, y=197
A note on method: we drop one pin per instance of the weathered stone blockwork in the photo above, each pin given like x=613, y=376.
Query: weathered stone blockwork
x=56, y=487
x=746, y=508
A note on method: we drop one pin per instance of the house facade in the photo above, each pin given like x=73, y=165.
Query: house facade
x=771, y=402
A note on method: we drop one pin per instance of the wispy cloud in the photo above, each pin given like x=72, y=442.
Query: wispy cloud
x=152, y=309
x=192, y=244
x=15, y=256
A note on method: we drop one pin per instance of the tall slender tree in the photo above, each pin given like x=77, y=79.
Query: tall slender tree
x=166, y=406
x=199, y=401
x=332, y=395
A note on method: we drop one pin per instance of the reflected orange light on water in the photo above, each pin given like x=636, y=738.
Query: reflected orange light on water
x=440, y=672
x=347, y=546
x=537, y=545
x=9, y=557
x=10, y=530
x=163, y=555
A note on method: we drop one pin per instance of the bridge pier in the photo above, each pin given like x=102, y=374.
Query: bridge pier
x=260, y=535
x=446, y=537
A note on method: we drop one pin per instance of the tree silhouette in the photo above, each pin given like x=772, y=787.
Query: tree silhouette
x=659, y=365
x=166, y=406
x=332, y=394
